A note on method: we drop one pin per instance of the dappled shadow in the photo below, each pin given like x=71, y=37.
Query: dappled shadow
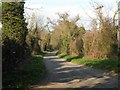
x=62, y=56
x=76, y=57
x=65, y=74
x=106, y=64
x=71, y=58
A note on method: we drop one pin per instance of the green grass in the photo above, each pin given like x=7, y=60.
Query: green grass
x=105, y=64
x=65, y=56
x=29, y=74
x=49, y=50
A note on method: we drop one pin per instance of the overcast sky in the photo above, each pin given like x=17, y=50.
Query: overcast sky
x=49, y=8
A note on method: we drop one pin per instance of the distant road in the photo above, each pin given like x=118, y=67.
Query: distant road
x=63, y=74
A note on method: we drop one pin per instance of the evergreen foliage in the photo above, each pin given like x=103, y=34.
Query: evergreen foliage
x=13, y=21
x=14, y=31
x=0, y=11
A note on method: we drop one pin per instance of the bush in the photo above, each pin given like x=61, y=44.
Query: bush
x=12, y=54
x=29, y=73
x=67, y=36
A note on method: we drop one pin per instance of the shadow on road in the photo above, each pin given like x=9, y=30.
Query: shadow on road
x=63, y=74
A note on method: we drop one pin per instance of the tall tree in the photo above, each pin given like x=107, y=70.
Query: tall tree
x=67, y=34
x=14, y=26
x=0, y=11
x=14, y=33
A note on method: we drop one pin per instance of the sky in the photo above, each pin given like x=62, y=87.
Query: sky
x=83, y=8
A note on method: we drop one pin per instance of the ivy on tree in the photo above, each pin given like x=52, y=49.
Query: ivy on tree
x=14, y=31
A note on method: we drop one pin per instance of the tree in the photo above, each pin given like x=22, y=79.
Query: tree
x=0, y=11
x=67, y=34
x=37, y=33
x=14, y=26
x=14, y=35
x=101, y=42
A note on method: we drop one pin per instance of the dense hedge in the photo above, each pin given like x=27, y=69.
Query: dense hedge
x=14, y=31
x=67, y=36
x=14, y=35
x=75, y=40
x=29, y=73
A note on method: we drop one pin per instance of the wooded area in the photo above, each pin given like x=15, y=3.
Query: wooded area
x=99, y=42
x=19, y=62
x=21, y=43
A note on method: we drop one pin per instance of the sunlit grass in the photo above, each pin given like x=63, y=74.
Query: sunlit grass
x=105, y=64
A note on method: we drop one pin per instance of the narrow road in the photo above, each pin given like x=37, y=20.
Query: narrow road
x=63, y=74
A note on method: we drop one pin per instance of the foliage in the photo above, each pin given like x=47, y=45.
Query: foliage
x=98, y=42
x=0, y=22
x=38, y=36
x=13, y=21
x=101, y=43
x=28, y=74
x=32, y=37
x=14, y=34
x=0, y=11
x=67, y=34
x=14, y=30
x=13, y=54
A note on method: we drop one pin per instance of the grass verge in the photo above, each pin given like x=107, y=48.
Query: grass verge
x=29, y=74
x=104, y=64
